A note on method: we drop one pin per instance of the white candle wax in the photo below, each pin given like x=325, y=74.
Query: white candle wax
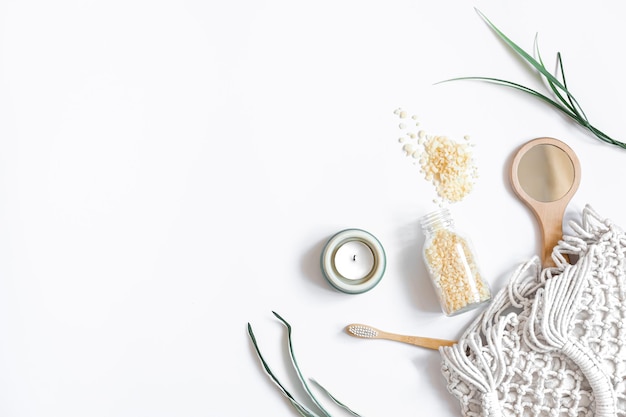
x=354, y=260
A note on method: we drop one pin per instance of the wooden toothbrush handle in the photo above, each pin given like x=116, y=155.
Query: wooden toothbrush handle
x=426, y=342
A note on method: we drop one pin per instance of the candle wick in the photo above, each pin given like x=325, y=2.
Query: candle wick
x=354, y=258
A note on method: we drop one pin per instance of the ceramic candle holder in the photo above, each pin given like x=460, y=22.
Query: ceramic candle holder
x=353, y=261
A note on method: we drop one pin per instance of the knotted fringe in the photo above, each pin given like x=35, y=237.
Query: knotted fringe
x=480, y=358
x=555, y=306
x=552, y=315
x=589, y=231
x=558, y=303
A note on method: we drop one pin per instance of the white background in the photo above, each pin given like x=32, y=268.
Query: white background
x=170, y=171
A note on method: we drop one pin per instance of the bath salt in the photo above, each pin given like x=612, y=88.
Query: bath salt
x=447, y=164
x=451, y=264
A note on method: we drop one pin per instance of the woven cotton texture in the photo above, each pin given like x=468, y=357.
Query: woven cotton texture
x=551, y=343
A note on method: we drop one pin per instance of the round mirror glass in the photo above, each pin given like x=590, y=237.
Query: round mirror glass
x=546, y=173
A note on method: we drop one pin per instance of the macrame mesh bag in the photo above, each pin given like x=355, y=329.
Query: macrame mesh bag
x=552, y=342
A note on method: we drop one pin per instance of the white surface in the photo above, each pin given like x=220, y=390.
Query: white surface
x=170, y=171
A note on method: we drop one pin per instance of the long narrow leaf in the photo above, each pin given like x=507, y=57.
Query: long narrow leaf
x=520, y=88
x=335, y=400
x=554, y=83
x=577, y=108
x=568, y=102
x=532, y=61
x=297, y=368
x=304, y=411
x=565, y=100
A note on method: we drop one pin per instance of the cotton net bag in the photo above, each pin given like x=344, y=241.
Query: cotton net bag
x=552, y=342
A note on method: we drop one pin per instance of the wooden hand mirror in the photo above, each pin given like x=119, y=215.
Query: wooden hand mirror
x=545, y=174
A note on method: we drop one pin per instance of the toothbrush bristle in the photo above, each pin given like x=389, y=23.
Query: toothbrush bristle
x=362, y=331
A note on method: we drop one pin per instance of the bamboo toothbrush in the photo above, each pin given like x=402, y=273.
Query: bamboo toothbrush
x=368, y=332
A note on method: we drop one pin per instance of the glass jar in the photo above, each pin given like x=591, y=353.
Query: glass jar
x=451, y=263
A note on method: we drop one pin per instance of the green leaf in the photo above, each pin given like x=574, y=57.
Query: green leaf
x=301, y=408
x=304, y=411
x=297, y=368
x=564, y=100
x=335, y=400
x=532, y=61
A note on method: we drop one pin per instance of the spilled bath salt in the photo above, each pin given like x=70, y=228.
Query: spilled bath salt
x=447, y=164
